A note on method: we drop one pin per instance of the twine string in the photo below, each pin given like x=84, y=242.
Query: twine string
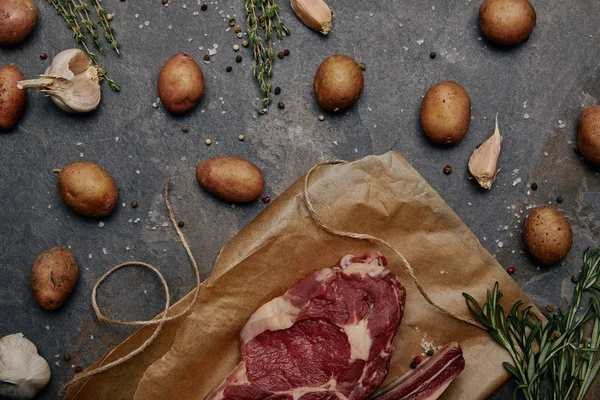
x=375, y=240
x=159, y=321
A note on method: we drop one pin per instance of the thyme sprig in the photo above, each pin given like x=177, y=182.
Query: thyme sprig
x=262, y=19
x=560, y=350
x=77, y=14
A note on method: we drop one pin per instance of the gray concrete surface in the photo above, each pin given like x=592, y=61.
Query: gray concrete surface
x=539, y=90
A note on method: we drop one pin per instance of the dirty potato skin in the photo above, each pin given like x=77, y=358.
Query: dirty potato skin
x=507, y=22
x=547, y=235
x=53, y=275
x=446, y=113
x=338, y=83
x=180, y=84
x=87, y=189
x=12, y=99
x=231, y=178
x=588, y=139
x=17, y=20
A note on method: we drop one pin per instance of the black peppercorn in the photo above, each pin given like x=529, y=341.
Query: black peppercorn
x=277, y=90
x=362, y=66
x=67, y=357
x=280, y=55
x=134, y=204
x=281, y=105
x=429, y=352
x=78, y=369
x=206, y=57
x=238, y=58
x=185, y=127
x=432, y=55
x=447, y=170
x=204, y=7
x=534, y=186
x=413, y=365
x=286, y=52
x=181, y=224
x=559, y=199
x=229, y=68
x=574, y=278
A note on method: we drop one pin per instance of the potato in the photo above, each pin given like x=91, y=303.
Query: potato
x=12, y=99
x=338, y=83
x=180, y=84
x=588, y=139
x=17, y=20
x=446, y=113
x=506, y=22
x=87, y=189
x=548, y=235
x=231, y=178
x=53, y=276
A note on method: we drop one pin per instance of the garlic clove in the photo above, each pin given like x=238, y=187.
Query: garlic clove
x=72, y=81
x=313, y=13
x=484, y=160
x=68, y=63
x=23, y=372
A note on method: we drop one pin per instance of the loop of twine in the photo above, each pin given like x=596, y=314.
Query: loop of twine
x=162, y=318
x=376, y=240
x=159, y=321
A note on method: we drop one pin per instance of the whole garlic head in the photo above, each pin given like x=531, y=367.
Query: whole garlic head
x=72, y=81
x=23, y=372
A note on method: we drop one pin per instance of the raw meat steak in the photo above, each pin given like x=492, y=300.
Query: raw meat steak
x=329, y=337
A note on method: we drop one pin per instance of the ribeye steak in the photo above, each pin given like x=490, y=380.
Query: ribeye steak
x=330, y=336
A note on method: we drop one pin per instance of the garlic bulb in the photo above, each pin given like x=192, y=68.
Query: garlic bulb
x=23, y=372
x=313, y=13
x=71, y=81
x=484, y=160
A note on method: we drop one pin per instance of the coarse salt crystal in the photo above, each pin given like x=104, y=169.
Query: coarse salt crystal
x=546, y=153
x=137, y=171
x=165, y=224
x=147, y=23
x=104, y=251
x=420, y=42
x=526, y=116
x=81, y=155
x=90, y=255
x=212, y=52
x=500, y=244
x=516, y=181
x=137, y=15
x=101, y=224
x=170, y=27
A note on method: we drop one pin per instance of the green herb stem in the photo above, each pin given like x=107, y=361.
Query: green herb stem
x=263, y=15
x=558, y=351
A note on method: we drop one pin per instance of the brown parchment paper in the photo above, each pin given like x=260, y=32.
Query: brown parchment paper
x=379, y=195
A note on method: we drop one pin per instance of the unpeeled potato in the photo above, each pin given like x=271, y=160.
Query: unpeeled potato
x=12, y=99
x=231, y=178
x=547, y=235
x=446, y=113
x=588, y=139
x=180, y=84
x=87, y=189
x=17, y=20
x=53, y=276
x=338, y=83
x=507, y=22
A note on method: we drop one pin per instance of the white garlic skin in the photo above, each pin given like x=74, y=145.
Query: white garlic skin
x=483, y=164
x=23, y=373
x=72, y=82
x=313, y=13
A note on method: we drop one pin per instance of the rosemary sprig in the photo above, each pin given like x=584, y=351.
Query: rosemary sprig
x=67, y=8
x=559, y=350
x=263, y=15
